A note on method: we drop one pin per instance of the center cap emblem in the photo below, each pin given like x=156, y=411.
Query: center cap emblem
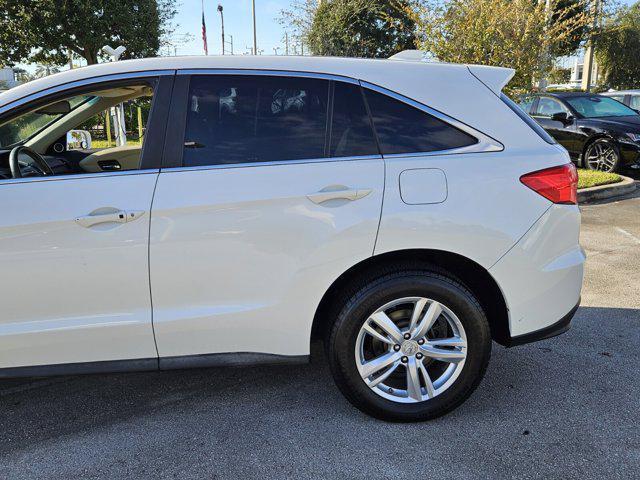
x=410, y=347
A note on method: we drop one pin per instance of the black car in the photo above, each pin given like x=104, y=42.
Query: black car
x=600, y=133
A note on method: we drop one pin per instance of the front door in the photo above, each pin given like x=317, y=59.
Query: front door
x=279, y=192
x=74, y=282
x=565, y=133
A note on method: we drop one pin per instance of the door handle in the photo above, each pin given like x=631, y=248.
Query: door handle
x=338, y=192
x=112, y=216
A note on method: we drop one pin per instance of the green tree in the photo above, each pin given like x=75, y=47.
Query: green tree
x=298, y=19
x=617, y=48
x=46, y=31
x=508, y=33
x=564, y=11
x=362, y=28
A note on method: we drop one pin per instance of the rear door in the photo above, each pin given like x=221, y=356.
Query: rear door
x=275, y=190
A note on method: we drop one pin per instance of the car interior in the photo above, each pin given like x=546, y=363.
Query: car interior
x=90, y=132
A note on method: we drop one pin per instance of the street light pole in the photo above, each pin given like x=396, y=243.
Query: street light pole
x=255, y=40
x=587, y=65
x=222, y=20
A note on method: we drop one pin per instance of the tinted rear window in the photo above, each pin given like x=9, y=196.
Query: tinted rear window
x=351, y=132
x=402, y=128
x=238, y=119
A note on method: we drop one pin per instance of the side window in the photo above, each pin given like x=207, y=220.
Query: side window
x=634, y=102
x=525, y=102
x=238, y=119
x=124, y=124
x=94, y=131
x=547, y=107
x=402, y=128
x=351, y=130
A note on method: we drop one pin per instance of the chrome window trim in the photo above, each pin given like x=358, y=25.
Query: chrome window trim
x=272, y=73
x=72, y=176
x=80, y=83
x=271, y=164
x=485, y=142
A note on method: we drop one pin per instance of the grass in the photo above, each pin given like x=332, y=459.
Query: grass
x=106, y=144
x=593, y=178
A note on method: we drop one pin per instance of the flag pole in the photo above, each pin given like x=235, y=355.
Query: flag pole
x=204, y=32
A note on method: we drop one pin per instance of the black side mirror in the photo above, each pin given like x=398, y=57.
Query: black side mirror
x=562, y=117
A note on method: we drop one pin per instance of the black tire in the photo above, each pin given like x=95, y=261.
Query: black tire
x=612, y=162
x=374, y=293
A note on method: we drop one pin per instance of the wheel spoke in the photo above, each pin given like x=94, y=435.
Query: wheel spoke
x=441, y=354
x=427, y=380
x=448, y=342
x=374, y=333
x=373, y=366
x=384, y=376
x=413, y=380
x=417, y=312
x=386, y=324
x=433, y=312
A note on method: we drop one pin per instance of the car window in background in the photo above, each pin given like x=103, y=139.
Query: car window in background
x=635, y=102
x=351, y=130
x=402, y=128
x=597, y=106
x=525, y=102
x=542, y=133
x=618, y=98
x=548, y=107
x=241, y=119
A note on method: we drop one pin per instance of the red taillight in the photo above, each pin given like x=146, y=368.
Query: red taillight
x=558, y=184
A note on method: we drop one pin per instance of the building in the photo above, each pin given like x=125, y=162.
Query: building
x=7, y=78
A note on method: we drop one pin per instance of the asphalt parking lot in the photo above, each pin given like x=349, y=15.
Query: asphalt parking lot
x=568, y=407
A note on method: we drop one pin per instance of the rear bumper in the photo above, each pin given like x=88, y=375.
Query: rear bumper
x=541, y=276
x=553, y=330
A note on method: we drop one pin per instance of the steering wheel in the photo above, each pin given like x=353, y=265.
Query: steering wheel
x=38, y=166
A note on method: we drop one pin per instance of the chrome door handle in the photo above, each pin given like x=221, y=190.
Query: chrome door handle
x=338, y=193
x=111, y=216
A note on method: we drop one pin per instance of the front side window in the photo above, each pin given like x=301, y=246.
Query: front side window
x=24, y=127
x=635, y=102
x=597, y=106
x=402, y=128
x=243, y=119
x=548, y=107
x=95, y=131
x=525, y=102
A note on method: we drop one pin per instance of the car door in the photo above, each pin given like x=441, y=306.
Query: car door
x=275, y=191
x=74, y=287
x=565, y=133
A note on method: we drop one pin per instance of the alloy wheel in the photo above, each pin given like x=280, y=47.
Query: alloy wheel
x=411, y=349
x=601, y=156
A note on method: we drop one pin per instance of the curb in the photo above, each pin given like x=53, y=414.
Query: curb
x=602, y=192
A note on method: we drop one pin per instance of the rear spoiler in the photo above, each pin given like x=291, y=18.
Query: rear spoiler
x=494, y=78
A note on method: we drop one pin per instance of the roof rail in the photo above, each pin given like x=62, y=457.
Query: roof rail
x=412, y=56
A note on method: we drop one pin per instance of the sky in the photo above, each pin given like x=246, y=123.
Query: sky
x=237, y=22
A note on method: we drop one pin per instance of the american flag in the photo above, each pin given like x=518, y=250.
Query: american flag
x=204, y=33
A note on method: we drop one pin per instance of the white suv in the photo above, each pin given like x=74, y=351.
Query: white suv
x=406, y=213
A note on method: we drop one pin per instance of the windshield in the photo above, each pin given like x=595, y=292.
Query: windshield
x=22, y=128
x=597, y=106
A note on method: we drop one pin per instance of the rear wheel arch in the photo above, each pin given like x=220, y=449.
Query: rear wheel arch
x=475, y=277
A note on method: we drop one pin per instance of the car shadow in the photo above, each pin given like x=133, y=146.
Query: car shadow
x=575, y=371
